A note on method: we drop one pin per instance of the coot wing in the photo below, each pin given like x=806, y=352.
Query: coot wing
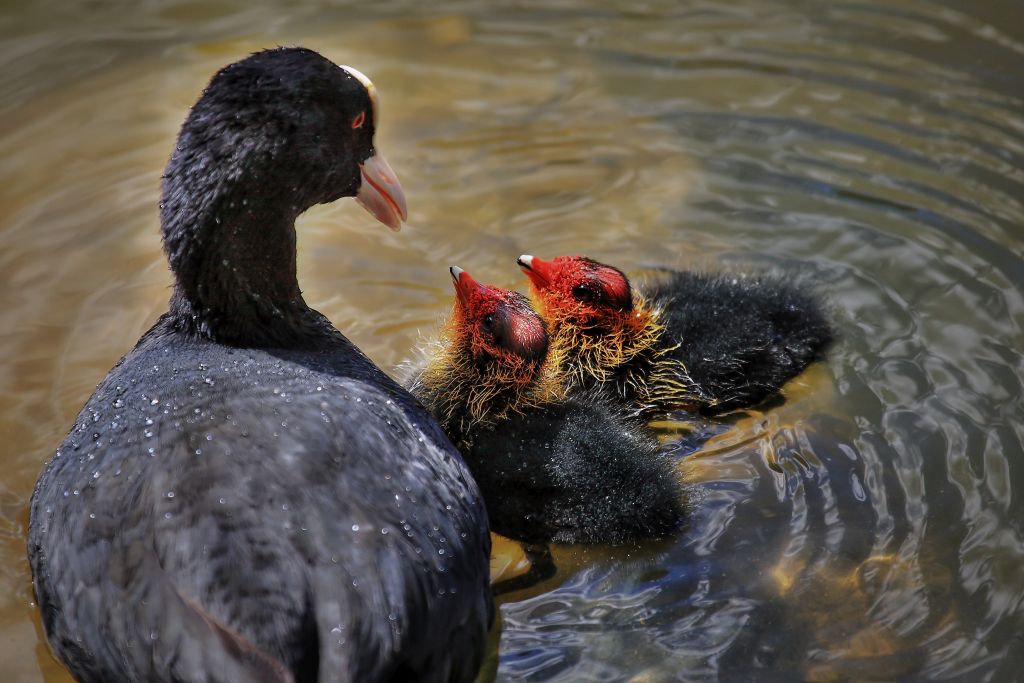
x=319, y=517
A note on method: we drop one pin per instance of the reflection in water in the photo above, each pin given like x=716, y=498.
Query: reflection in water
x=868, y=528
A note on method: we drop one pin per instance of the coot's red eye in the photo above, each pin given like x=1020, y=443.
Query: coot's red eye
x=357, y=122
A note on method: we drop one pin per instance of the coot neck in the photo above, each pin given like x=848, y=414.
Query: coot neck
x=229, y=235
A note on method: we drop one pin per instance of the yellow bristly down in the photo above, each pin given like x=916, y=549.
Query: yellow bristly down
x=464, y=393
x=631, y=354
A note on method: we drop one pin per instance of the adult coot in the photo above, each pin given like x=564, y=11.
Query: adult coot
x=550, y=468
x=688, y=340
x=246, y=497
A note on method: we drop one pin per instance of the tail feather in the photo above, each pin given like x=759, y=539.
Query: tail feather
x=193, y=645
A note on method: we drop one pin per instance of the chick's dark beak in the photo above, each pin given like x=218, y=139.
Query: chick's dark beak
x=380, y=193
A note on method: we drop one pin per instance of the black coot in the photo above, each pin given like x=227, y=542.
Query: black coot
x=246, y=497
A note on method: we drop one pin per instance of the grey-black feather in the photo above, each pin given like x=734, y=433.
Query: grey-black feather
x=246, y=496
x=740, y=337
x=576, y=471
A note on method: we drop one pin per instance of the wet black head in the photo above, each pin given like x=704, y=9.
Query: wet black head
x=271, y=136
x=282, y=120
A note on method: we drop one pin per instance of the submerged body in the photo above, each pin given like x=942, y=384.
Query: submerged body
x=688, y=340
x=246, y=497
x=549, y=468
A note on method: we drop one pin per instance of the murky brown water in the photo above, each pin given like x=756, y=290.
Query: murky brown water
x=872, y=528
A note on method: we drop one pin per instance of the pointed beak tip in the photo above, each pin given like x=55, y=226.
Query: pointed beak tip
x=456, y=272
x=525, y=261
x=381, y=194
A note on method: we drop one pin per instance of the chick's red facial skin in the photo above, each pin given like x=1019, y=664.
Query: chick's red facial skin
x=580, y=288
x=498, y=323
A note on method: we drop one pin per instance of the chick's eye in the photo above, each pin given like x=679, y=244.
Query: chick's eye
x=488, y=323
x=582, y=293
x=359, y=120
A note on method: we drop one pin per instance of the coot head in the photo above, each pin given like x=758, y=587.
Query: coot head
x=271, y=136
x=579, y=289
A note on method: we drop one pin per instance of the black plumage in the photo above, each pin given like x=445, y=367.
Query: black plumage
x=576, y=471
x=741, y=337
x=246, y=496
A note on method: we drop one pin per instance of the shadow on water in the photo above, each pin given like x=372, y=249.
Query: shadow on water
x=867, y=528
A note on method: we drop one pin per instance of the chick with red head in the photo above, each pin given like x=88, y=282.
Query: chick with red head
x=687, y=341
x=490, y=360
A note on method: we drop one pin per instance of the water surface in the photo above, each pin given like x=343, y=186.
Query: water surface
x=868, y=528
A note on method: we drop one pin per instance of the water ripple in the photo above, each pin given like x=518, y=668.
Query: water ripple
x=871, y=527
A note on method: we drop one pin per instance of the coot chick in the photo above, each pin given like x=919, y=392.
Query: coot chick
x=492, y=360
x=688, y=340
x=550, y=468
x=246, y=497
